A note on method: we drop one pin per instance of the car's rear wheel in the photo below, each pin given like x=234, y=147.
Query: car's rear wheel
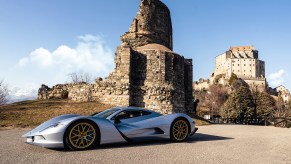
x=179, y=130
x=81, y=135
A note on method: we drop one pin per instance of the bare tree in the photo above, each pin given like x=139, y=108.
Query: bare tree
x=3, y=93
x=288, y=108
x=80, y=77
x=217, y=95
x=283, y=109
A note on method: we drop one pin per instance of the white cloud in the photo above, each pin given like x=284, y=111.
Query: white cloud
x=20, y=94
x=90, y=55
x=42, y=66
x=278, y=78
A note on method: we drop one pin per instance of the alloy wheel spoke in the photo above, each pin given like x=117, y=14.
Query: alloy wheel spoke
x=76, y=140
x=76, y=130
x=83, y=128
x=82, y=135
x=90, y=135
x=76, y=136
x=180, y=130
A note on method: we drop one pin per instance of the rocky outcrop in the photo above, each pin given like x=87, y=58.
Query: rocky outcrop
x=59, y=91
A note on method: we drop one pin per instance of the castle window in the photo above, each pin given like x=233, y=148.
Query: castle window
x=245, y=64
x=250, y=64
x=238, y=65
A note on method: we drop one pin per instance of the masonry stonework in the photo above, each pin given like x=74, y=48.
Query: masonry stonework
x=147, y=74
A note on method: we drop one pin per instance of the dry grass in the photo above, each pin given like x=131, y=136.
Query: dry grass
x=28, y=114
x=201, y=122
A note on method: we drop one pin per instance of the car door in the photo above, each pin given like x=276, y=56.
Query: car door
x=127, y=120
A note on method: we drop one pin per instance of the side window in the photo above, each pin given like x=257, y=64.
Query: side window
x=144, y=113
x=128, y=114
x=122, y=115
x=133, y=114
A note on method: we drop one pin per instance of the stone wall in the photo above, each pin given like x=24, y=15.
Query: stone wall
x=103, y=92
x=158, y=79
x=59, y=91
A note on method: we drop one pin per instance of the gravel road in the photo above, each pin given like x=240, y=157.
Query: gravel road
x=212, y=144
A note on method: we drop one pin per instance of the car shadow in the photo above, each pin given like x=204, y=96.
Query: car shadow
x=198, y=137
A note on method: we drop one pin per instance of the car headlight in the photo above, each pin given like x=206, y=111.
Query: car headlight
x=58, y=124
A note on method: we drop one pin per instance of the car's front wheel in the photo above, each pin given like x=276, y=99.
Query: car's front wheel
x=179, y=130
x=81, y=135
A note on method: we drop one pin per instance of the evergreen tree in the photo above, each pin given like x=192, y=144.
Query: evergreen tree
x=232, y=78
x=265, y=104
x=239, y=104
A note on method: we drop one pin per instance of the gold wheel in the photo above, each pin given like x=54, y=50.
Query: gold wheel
x=180, y=130
x=82, y=135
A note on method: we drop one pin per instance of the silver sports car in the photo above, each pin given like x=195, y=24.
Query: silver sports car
x=115, y=125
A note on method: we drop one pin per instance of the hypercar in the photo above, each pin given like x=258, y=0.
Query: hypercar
x=115, y=125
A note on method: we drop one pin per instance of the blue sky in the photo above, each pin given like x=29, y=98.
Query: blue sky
x=44, y=41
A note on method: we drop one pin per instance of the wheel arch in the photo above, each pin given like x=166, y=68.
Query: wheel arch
x=86, y=120
x=184, y=118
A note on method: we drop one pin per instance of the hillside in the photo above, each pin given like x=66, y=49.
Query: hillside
x=33, y=112
x=28, y=114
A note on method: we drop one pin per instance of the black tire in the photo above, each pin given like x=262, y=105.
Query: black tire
x=81, y=135
x=180, y=130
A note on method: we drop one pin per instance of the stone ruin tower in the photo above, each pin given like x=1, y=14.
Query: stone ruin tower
x=148, y=73
x=159, y=78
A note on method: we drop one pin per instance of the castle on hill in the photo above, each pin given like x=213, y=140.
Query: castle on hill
x=244, y=62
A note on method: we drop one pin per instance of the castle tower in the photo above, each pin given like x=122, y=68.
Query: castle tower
x=159, y=78
x=151, y=25
x=147, y=73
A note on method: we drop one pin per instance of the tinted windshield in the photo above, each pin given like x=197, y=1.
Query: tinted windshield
x=106, y=113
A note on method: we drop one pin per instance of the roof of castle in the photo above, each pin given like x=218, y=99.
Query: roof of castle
x=242, y=48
